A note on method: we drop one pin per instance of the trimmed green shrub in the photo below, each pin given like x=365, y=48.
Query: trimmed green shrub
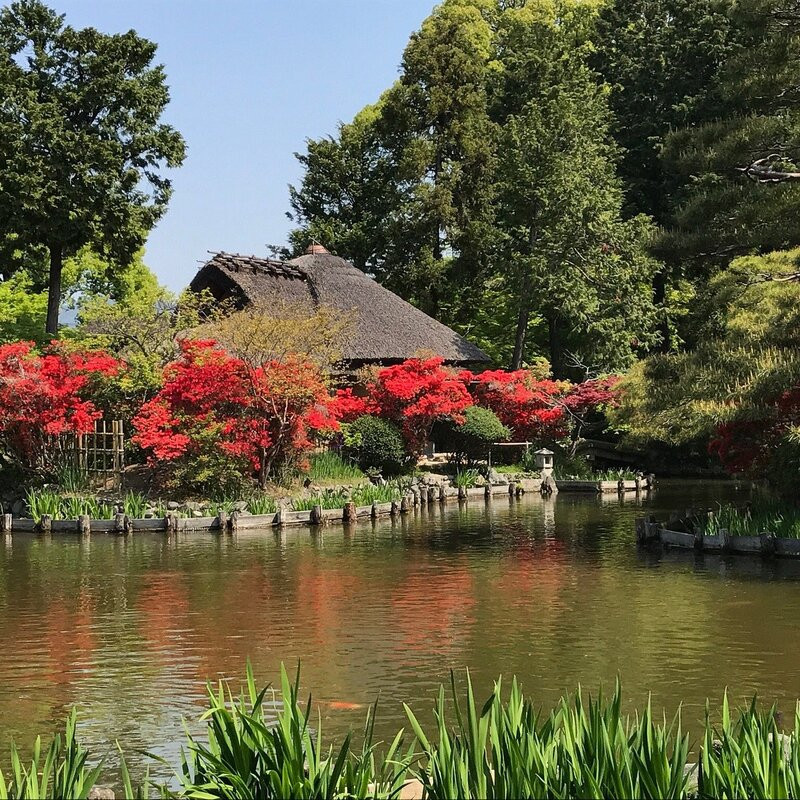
x=470, y=441
x=375, y=443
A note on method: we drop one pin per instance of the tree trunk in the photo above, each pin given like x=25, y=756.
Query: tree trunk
x=556, y=346
x=54, y=289
x=659, y=296
x=522, y=322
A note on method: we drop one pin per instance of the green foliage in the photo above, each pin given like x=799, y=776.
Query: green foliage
x=470, y=441
x=41, y=502
x=368, y=494
x=747, y=359
x=261, y=504
x=23, y=310
x=134, y=504
x=250, y=754
x=749, y=757
x=330, y=466
x=774, y=517
x=481, y=187
x=582, y=749
x=80, y=140
x=466, y=478
x=327, y=498
x=376, y=443
x=61, y=773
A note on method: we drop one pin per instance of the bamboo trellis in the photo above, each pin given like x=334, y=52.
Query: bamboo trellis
x=101, y=454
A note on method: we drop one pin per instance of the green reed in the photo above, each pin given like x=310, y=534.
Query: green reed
x=261, y=504
x=330, y=466
x=264, y=743
x=763, y=517
x=368, y=494
x=41, y=502
x=466, y=478
x=328, y=498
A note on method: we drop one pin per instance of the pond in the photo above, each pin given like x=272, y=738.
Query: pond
x=554, y=590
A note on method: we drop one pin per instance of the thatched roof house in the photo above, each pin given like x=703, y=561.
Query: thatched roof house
x=386, y=328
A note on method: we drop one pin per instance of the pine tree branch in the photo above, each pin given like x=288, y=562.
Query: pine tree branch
x=765, y=170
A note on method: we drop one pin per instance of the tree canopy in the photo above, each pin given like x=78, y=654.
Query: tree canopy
x=82, y=150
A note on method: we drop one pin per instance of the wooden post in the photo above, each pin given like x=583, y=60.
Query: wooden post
x=620, y=486
x=233, y=519
x=316, y=515
x=6, y=523
x=698, y=538
x=519, y=491
x=395, y=508
x=405, y=504
x=374, y=512
x=725, y=540
x=431, y=494
x=512, y=488
x=462, y=493
x=222, y=520
x=172, y=522
x=767, y=543
x=414, y=495
x=46, y=523
x=639, y=484
x=349, y=513
x=84, y=525
x=442, y=494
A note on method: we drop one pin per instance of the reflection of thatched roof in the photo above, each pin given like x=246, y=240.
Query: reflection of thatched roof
x=386, y=327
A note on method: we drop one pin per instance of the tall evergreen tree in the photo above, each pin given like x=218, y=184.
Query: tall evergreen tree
x=482, y=186
x=81, y=145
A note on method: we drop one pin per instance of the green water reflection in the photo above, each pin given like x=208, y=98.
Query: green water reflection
x=552, y=590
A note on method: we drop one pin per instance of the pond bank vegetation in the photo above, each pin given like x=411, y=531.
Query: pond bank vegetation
x=269, y=743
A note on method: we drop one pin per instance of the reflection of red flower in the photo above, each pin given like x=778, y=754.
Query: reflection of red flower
x=430, y=614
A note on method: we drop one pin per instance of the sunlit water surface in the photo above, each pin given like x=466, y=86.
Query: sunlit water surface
x=554, y=591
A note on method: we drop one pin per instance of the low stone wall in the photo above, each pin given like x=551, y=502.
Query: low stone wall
x=236, y=520
x=682, y=533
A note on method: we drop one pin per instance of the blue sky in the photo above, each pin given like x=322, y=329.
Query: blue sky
x=251, y=80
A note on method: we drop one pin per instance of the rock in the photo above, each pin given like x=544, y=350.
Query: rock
x=480, y=481
x=434, y=479
x=497, y=478
x=173, y=506
x=197, y=513
x=240, y=505
x=101, y=793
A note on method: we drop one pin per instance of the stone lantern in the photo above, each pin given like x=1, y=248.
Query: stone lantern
x=544, y=462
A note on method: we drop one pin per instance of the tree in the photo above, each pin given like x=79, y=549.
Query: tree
x=471, y=440
x=218, y=419
x=481, y=188
x=276, y=328
x=81, y=145
x=416, y=394
x=564, y=243
x=737, y=387
x=704, y=97
x=528, y=403
x=44, y=396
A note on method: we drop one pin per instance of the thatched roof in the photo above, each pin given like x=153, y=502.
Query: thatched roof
x=386, y=328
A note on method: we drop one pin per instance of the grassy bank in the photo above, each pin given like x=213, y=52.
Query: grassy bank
x=505, y=748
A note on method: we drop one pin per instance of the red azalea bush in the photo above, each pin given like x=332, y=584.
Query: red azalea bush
x=43, y=396
x=766, y=447
x=416, y=394
x=531, y=407
x=217, y=418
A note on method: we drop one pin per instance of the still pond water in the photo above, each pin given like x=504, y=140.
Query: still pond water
x=552, y=590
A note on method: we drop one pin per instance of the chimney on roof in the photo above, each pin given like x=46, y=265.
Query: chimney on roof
x=316, y=249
